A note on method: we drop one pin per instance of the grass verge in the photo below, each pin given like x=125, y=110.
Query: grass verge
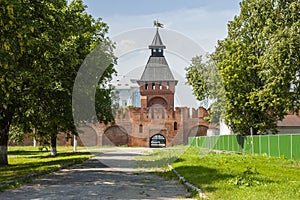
x=233, y=176
x=24, y=161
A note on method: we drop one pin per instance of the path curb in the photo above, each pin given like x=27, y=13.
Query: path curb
x=187, y=184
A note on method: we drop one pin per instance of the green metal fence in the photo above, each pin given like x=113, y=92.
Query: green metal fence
x=271, y=145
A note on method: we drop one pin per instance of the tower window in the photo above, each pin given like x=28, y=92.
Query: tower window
x=175, y=126
x=141, y=128
x=159, y=50
x=153, y=86
x=160, y=86
x=146, y=86
x=168, y=85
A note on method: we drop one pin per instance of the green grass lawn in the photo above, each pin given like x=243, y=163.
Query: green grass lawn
x=232, y=176
x=28, y=160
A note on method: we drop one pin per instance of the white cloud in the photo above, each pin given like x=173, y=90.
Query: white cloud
x=124, y=46
x=206, y=27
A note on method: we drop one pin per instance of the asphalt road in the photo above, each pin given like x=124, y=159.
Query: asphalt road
x=110, y=175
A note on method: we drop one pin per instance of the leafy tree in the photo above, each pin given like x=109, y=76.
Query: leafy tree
x=206, y=82
x=258, y=61
x=42, y=45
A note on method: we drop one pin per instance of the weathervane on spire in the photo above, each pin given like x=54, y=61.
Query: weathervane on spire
x=158, y=24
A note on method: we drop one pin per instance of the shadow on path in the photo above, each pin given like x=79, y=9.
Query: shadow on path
x=94, y=179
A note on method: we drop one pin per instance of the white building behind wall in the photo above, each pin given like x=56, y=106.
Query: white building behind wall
x=127, y=91
x=289, y=125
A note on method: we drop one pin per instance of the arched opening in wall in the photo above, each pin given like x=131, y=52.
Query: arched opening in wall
x=88, y=137
x=153, y=86
x=115, y=136
x=158, y=101
x=157, y=107
x=198, y=131
x=175, y=126
x=141, y=128
x=158, y=141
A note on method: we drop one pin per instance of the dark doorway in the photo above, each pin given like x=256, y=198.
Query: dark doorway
x=157, y=141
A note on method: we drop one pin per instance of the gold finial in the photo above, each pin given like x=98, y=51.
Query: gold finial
x=158, y=24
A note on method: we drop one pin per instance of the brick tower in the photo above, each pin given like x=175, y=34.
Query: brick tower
x=156, y=123
x=157, y=83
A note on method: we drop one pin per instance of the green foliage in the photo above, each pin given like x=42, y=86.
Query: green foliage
x=206, y=82
x=197, y=76
x=258, y=61
x=246, y=179
x=42, y=46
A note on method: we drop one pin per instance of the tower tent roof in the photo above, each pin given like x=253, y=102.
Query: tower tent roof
x=157, y=69
x=157, y=42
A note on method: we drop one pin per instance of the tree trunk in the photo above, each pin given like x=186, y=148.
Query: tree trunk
x=5, y=123
x=53, y=145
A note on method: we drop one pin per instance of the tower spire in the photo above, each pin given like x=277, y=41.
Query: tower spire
x=157, y=83
x=157, y=44
x=157, y=24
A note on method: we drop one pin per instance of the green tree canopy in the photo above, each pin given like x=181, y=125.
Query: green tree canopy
x=42, y=45
x=259, y=62
x=207, y=85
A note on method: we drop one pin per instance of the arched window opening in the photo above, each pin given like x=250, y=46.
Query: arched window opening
x=153, y=86
x=146, y=86
x=141, y=128
x=175, y=126
x=160, y=86
x=168, y=86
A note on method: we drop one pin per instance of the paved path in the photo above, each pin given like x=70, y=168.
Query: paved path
x=111, y=175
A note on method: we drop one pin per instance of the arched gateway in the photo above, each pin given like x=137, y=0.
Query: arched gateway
x=158, y=140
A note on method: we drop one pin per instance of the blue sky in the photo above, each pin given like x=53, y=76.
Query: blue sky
x=205, y=21
x=143, y=7
x=192, y=27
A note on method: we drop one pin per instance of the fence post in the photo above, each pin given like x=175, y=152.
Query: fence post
x=252, y=148
x=227, y=142
x=259, y=144
x=278, y=146
x=291, y=146
x=223, y=146
x=269, y=148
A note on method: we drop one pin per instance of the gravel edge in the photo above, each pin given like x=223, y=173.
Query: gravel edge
x=187, y=184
